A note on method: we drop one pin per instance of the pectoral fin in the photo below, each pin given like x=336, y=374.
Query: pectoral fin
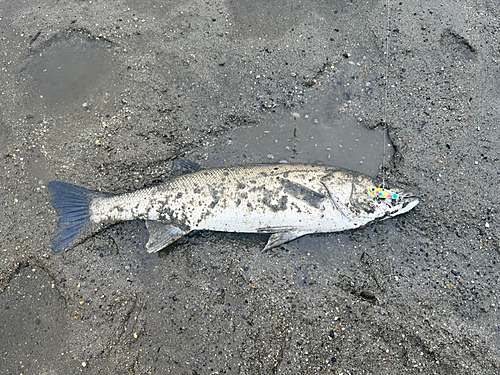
x=161, y=235
x=278, y=239
x=335, y=202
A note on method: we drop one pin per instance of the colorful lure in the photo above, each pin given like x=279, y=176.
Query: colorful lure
x=382, y=193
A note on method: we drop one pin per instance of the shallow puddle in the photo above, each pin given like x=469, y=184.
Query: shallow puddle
x=312, y=138
x=66, y=82
x=70, y=70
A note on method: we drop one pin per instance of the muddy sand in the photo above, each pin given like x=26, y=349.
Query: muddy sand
x=107, y=94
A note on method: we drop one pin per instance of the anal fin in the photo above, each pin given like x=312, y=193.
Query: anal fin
x=278, y=239
x=161, y=235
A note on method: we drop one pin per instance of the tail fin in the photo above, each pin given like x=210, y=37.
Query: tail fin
x=73, y=206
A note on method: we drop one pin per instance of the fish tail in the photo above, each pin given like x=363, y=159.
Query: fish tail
x=72, y=204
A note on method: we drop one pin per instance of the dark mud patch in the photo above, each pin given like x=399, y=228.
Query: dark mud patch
x=260, y=18
x=33, y=325
x=275, y=18
x=4, y=136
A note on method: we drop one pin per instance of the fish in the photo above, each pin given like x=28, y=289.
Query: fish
x=286, y=201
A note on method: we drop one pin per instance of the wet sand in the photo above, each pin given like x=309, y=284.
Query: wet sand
x=107, y=94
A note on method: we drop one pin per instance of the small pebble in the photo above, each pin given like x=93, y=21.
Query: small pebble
x=84, y=364
x=270, y=156
x=295, y=115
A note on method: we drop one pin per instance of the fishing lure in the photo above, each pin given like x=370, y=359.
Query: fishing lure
x=383, y=193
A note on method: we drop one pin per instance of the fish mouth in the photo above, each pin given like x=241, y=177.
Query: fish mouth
x=407, y=202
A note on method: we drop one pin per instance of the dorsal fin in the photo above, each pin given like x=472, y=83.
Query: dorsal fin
x=185, y=166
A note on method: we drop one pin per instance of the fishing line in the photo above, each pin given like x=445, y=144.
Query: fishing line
x=385, y=100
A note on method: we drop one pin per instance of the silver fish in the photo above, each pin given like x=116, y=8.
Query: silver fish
x=285, y=200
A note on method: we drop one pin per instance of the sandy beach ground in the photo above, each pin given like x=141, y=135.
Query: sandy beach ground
x=107, y=94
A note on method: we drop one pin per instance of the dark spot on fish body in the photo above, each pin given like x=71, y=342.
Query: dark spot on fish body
x=226, y=173
x=283, y=202
x=163, y=217
x=179, y=195
x=281, y=206
x=258, y=188
x=253, y=181
x=267, y=202
x=197, y=190
x=238, y=202
x=363, y=205
x=213, y=204
x=244, y=195
x=303, y=193
x=240, y=185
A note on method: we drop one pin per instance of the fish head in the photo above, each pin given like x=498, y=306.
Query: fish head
x=372, y=207
x=358, y=203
